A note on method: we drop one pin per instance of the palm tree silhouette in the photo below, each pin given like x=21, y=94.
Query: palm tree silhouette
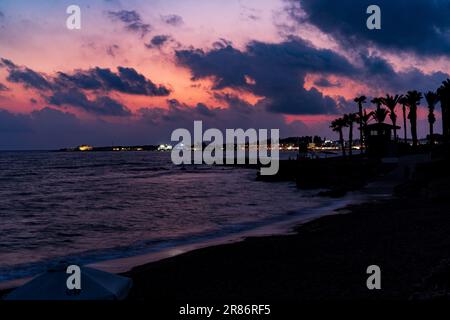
x=378, y=102
x=350, y=119
x=413, y=98
x=380, y=114
x=360, y=100
x=404, y=102
x=391, y=102
x=432, y=99
x=444, y=96
x=410, y=101
x=364, y=120
x=338, y=126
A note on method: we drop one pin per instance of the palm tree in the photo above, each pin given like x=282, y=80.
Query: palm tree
x=432, y=99
x=404, y=102
x=444, y=96
x=337, y=126
x=378, y=102
x=413, y=98
x=360, y=100
x=364, y=120
x=391, y=102
x=350, y=119
x=380, y=114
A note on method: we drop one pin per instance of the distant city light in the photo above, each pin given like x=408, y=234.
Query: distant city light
x=164, y=147
x=85, y=148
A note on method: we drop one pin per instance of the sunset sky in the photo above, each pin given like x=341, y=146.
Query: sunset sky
x=139, y=69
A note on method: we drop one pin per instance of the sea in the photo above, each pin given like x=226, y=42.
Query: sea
x=88, y=207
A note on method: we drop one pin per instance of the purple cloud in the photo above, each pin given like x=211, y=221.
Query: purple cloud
x=173, y=20
x=132, y=21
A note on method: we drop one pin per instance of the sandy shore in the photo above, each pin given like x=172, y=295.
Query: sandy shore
x=325, y=259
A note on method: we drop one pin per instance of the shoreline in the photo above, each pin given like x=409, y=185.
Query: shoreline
x=285, y=226
x=321, y=259
x=329, y=253
x=326, y=259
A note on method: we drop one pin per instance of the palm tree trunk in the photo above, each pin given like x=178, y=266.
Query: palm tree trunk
x=431, y=133
x=413, y=119
x=404, y=124
x=341, y=139
x=350, y=138
x=394, y=123
x=361, y=127
x=366, y=144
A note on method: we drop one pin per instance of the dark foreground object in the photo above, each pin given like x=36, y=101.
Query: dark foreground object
x=337, y=175
x=409, y=238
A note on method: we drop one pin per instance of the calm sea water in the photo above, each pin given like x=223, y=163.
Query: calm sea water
x=89, y=207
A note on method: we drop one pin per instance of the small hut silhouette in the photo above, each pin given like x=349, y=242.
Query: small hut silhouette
x=379, y=139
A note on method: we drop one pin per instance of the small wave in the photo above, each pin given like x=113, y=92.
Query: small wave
x=159, y=244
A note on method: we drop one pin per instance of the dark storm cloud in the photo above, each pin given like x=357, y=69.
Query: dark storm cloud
x=7, y=63
x=25, y=76
x=277, y=69
x=417, y=26
x=66, y=89
x=2, y=15
x=102, y=105
x=125, y=80
x=173, y=20
x=158, y=41
x=290, y=59
x=378, y=72
x=136, y=83
x=29, y=78
x=325, y=83
x=3, y=87
x=278, y=73
x=80, y=79
x=132, y=21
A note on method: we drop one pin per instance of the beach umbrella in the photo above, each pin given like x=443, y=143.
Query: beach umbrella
x=95, y=285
